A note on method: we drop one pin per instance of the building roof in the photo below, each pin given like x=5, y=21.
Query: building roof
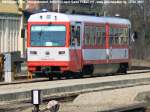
x=54, y=17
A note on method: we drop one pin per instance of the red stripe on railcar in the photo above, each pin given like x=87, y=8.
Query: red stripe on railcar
x=105, y=61
x=107, y=36
x=48, y=63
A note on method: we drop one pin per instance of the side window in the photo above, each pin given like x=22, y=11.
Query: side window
x=97, y=40
x=123, y=36
x=115, y=39
x=72, y=40
x=103, y=36
x=92, y=30
x=75, y=36
x=78, y=35
x=118, y=36
x=111, y=35
x=126, y=35
x=100, y=31
x=87, y=35
x=94, y=35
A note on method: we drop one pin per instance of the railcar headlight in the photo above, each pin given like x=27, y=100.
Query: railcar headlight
x=47, y=53
x=61, y=52
x=33, y=52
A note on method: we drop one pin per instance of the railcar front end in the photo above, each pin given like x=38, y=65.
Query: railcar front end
x=48, y=50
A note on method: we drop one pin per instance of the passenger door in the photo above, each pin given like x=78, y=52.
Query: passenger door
x=75, y=49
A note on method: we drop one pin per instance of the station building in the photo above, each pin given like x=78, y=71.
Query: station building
x=11, y=23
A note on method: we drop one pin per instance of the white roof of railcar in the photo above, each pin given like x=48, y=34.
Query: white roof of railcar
x=53, y=16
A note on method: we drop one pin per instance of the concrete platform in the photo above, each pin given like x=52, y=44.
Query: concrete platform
x=57, y=88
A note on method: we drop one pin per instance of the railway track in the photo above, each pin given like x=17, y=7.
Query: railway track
x=57, y=88
x=137, y=107
x=27, y=107
x=68, y=90
x=46, y=79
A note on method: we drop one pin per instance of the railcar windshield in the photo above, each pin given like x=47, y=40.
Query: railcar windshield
x=48, y=35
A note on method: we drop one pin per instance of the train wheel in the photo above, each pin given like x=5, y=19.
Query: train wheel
x=50, y=77
x=80, y=75
x=69, y=75
x=37, y=75
x=59, y=76
x=87, y=70
x=77, y=75
x=123, y=68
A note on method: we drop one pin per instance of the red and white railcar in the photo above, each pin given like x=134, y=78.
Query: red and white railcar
x=66, y=43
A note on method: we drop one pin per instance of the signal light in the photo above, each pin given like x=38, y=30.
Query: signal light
x=36, y=99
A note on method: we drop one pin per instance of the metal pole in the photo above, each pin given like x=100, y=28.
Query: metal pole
x=36, y=108
x=58, y=6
